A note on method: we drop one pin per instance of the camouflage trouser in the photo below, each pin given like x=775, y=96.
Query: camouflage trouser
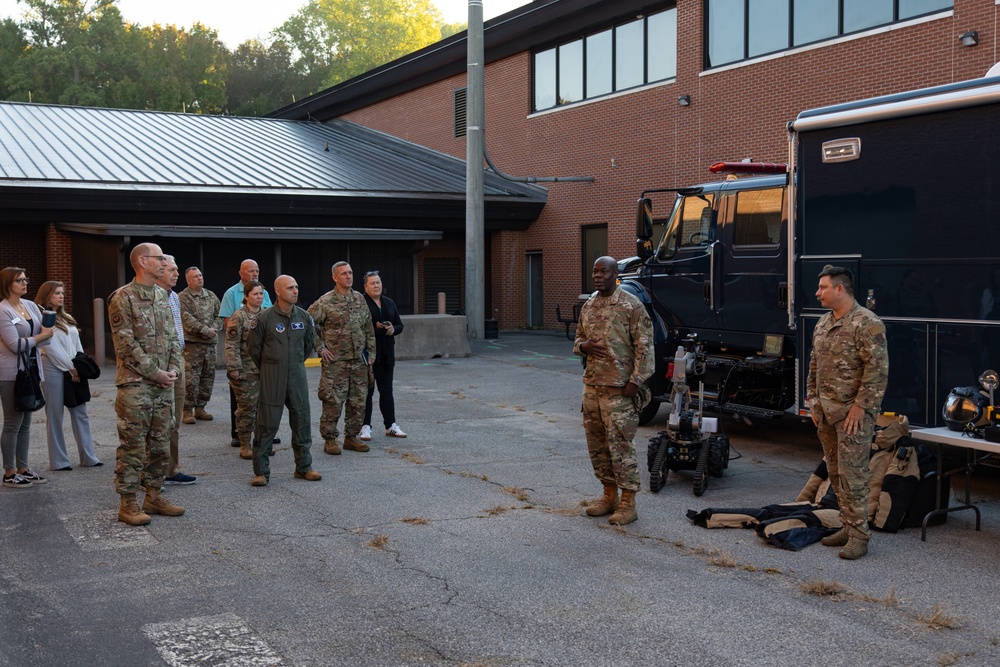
x=145, y=417
x=247, y=392
x=199, y=366
x=610, y=421
x=847, y=461
x=342, y=382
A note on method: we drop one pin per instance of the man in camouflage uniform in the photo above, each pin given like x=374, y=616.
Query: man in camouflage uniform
x=615, y=337
x=200, y=315
x=346, y=337
x=244, y=378
x=848, y=372
x=168, y=281
x=279, y=344
x=148, y=360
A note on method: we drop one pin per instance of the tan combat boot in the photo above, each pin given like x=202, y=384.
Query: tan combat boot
x=607, y=504
x=130, y=513
x=838, y=539
x=857, y=545
x=331, y=447
x=154, y=503
x=199, y=413
x=258, y=480
x=352, y=443
x=626, y=512
x=246, y=451
x=188, y=416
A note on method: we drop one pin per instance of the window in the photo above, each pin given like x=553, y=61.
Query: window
x=758, y=217
x=690, y=225
x=595, y=244
x=620, y=57
x=739, y=29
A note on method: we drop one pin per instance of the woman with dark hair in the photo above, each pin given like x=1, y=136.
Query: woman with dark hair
x=385, y=317
x=57, y=362
x=244, y=377
x=20, y=326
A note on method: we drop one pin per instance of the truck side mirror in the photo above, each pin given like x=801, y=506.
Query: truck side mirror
x=644, y=227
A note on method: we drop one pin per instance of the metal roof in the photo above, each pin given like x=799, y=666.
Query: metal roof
x=77, y=147
x=274, y=233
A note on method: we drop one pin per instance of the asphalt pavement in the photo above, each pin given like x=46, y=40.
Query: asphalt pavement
x=465, y=544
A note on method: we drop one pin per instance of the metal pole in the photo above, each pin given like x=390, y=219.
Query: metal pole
x=475, y=259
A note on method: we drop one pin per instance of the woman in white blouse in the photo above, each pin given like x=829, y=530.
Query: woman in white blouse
x=57, y=360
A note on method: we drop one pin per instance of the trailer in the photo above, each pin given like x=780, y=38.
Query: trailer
x=904, y=190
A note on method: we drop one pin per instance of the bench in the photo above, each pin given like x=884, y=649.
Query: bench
x=568, y=320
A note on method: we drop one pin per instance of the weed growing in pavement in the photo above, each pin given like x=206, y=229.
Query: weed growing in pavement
x=831, y=589
x=520, y=494
x=415, y=520
x=939, y=619
x=520, y=408
x=380, y=542
x=890, y=599
x=498, y=510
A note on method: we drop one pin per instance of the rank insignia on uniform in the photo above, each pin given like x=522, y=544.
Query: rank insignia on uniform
x=298, y=326
x=280, y=327
x=232, y=332
x=252, y=324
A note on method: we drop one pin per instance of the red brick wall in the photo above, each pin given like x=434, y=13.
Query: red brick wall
x=24, y=246
x=60, y=261
x=644, y=139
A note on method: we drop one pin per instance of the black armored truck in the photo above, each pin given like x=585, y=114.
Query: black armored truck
x=904, y=190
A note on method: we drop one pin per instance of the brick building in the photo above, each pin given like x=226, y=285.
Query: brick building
x=642, y=94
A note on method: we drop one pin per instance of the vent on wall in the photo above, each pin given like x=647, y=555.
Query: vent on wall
x=460, y=112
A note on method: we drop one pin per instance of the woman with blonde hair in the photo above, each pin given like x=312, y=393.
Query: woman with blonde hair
x=57, y=361
x=20, y=328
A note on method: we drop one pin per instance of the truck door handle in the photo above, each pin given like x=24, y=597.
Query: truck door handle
x=706, y=292
x=783, y=295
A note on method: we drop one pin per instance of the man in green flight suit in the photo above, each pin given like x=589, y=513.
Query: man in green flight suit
x=279, y=344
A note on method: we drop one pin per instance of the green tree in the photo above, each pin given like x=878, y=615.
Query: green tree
x=449, y=29
x=261, y=78
x=13, y=45
x=339, y=39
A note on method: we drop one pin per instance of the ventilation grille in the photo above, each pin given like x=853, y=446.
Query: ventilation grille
x=460, y=112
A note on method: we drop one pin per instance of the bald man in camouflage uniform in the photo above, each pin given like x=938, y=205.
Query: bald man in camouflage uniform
x=202, y=324
x=148, y=361
x=848, y=372
x=615, y=337
x=346, y=337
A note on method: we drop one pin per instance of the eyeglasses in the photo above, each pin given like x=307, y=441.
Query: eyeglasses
x=160, y=258
x=371, y=273
x=21, y=281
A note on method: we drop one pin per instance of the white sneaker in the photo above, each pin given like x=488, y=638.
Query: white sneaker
x=366, y=433
x=395, y=431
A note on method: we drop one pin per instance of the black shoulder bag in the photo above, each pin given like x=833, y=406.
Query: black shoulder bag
x=27, y=386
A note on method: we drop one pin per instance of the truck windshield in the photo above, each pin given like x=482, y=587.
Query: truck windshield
x=690, y=225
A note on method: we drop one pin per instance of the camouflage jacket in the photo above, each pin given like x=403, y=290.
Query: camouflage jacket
x=849, y=364
x=142, y=328
x=238, y=329
x=344, y=325
x=621, y=322
x=200, y=312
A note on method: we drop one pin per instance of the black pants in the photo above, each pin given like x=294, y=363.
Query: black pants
x=383, y=380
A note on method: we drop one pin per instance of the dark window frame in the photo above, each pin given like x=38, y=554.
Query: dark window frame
x=706, y=7
x=582, y=38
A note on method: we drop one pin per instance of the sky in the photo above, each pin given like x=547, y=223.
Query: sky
x=236, y=23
